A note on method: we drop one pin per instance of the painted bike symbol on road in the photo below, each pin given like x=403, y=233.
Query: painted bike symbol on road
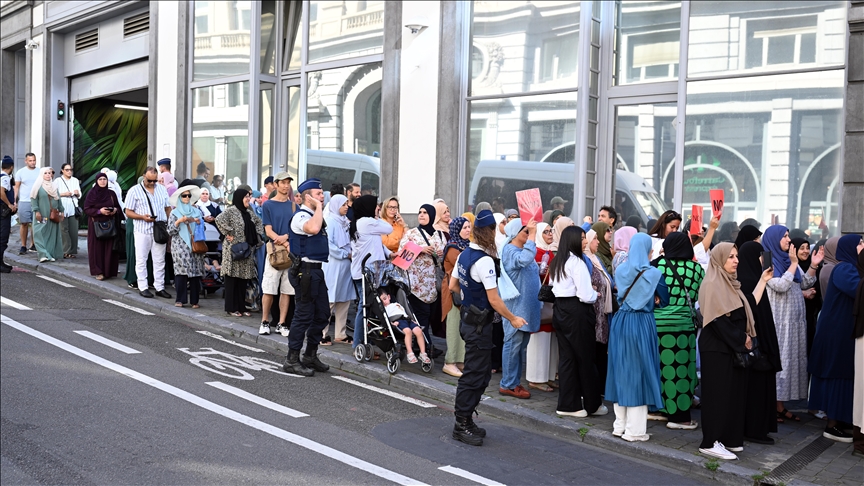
x=232, y=366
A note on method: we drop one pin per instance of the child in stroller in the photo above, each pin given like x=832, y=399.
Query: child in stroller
x=396, y=315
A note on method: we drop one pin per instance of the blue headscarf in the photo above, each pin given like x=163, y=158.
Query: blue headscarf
x=190, y=210
x=642, y=292
x=847, y=249
x=779, y=258
x=456, y=225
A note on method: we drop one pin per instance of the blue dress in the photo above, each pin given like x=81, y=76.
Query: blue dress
x=633, y=373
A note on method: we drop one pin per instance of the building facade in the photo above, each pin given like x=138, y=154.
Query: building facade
x=644, y=105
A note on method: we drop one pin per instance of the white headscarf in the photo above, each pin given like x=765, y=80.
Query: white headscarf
x=338, y=224
x=500, y=238
x=538, y=238
x=47, y=185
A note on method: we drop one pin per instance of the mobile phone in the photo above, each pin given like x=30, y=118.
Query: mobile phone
x=766, y=260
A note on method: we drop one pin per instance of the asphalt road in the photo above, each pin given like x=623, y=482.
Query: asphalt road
x=164, y=409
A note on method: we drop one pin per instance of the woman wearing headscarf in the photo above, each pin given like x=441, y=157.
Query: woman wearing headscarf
x=114, y=185
x=541, y=363
x=748, y=233
x=517, y=262
x=208, y=207
x=828, y=263
x=601, y=281
x=728, y=232
x=790, y=315
x=832, y=363
x=481, y=206
x=390, y=214
x=167, y=180
x=239, y=224
x=858, y=392
x=729, y=328
x=760, y=416
x=337, y=270
x=500, y=236
x=604, y=251
x=812, y=301
x=460, y=232
x=101, y=205
x=676, y=330
x=46, y=233
x=188, y=266
x=442, y=218
x=574, y=323
x=622, y=245
x=424, y=283
x=365, y=230
x=633, y=378
x=560, y=225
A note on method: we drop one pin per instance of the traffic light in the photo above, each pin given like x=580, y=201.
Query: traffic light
x=61, y=110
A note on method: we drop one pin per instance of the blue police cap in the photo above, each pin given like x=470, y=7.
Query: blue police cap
x=309, y=184
x=165, y=161
x=484, y=218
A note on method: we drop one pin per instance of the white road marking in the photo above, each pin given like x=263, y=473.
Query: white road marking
x=127, y=306
x=235, y=343
x=470, y=476
x=398, y=396
x=13, y=304
x=62, y=284
x=256, y=399
x=218, y=409
x=108, y=342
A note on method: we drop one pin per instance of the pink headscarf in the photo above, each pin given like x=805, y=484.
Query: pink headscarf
x=167, y=179
x=622, y=238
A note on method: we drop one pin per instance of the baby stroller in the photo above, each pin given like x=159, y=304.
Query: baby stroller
x=378, y=330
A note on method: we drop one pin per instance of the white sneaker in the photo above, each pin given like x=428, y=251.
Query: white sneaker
x=265, y=328
x=579, y=414
x=657, y=416
x=735, y=449
x=280, y=329
x=617, y=433
x=718, y=451
x=635, y=438
x=688, y=426
x=601, y=411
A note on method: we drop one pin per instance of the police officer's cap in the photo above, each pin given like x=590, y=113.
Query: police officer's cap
x=165, y=161
x=309, y=184
x=484, y=218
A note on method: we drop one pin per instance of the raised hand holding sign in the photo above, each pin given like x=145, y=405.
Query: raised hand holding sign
x=716, y=202
x=407, y=256
x=530, y=205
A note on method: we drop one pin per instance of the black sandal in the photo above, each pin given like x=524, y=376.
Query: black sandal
x=786, y=414
x=327, y=341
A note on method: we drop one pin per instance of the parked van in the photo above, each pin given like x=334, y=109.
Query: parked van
x=501, y=178
x=342, y=168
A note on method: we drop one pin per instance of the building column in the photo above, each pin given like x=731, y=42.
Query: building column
x=852, y=211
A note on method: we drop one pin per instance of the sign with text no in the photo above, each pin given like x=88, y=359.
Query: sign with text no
x=407, y=256
x=716, y=202
x=530, y=205
x=696, y=219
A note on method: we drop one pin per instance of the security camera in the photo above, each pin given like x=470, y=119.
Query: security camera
x=31, y=45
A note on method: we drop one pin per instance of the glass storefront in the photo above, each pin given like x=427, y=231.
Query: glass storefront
x=220, y=131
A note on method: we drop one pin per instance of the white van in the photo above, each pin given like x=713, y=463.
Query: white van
x=343, y=168
x=501, y=178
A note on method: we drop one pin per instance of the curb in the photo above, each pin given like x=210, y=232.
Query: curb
x=567, y=429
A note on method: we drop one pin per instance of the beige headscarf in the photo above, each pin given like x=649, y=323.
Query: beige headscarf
x=47, y=185
x=590, y=236
x=560, y=224
x=720, y=292
x=440, y=209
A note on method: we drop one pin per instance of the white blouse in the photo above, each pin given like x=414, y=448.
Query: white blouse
x=576, y=281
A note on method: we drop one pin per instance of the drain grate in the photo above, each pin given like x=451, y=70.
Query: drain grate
x=798, y=461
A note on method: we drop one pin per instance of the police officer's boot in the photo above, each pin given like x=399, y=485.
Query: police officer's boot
x=463, y=432
x=314, y=363
x=294, y=366
x=479, y=432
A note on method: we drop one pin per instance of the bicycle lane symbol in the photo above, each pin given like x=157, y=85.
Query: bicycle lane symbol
x=231, y=366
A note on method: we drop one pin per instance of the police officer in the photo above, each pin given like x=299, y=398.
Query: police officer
x=476, y=277
x=308, y=242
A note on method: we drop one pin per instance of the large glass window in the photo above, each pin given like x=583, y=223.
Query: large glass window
x=268, y=37
x=265, y=134
x=765, y=36
x=647, y=41
x=220, y=134
x=222, y=39
x=339, y=29
x=772, y=143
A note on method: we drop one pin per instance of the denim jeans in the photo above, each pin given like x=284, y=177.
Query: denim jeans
x=513, y=356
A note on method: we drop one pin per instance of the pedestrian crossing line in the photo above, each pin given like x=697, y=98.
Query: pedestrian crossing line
x=107, y=342
x=398, y=396
x=62, y=284
x=298, y=440
x=13, y=304
x=256, y=399
x=470, y=476
x=235, y=343
x=127, y=306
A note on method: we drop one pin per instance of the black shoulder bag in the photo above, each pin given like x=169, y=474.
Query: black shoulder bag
x=695, y=315
x=160, y=228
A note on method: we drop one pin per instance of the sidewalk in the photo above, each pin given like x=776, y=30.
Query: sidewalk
x=799, y=456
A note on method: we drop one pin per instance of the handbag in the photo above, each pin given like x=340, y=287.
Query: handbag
x=546, y=294
x=104, y=230
x=55, y=215
x=439, y=269
x=160, y=228
x=198, y=247
x=278, y=256
x=752, y=359
x=240, y=251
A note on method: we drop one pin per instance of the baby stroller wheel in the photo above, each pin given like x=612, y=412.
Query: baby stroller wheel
x=359, y=353
x=392, y=363
x=368, y=351
x=427, y=367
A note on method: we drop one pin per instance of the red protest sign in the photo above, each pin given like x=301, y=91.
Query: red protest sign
x=696, y=220
x=530, y=205
x=716, y=202
x=407, y=256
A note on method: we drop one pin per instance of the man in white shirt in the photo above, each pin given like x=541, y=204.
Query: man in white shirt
x=24, y=180
x=147, y=203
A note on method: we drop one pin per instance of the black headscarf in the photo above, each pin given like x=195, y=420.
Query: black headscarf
x=748, y=233
x=248, y=225
x=725, y=232
x=429, y=228
x=677, y=246
x=858, y=308
x=363, y=207
x=749, y=273
x=804, y=265
x=100, y=197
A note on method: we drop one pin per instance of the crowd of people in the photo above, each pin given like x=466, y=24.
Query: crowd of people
x=638, y=317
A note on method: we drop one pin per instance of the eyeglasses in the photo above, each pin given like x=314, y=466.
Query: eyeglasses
x=393, y=207
x=512, y=217
x=547, y=232
x=185, y=196
x=68, y=168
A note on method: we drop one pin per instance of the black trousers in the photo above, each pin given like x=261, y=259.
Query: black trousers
x=724, y=397
x=422, y=311
x=311, y=312
x=477, y=370
x=5, y=229
x=235, y=294
x=190, y=285
x=760, y=416
x=577, y=372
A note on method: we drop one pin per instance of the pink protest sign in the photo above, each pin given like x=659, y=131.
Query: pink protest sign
x=530, y=205
x=696, y=220
x=407, y=256
x=716, y=202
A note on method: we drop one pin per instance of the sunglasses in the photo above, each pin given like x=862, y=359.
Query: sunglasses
x=150, y=181
x=185, y=196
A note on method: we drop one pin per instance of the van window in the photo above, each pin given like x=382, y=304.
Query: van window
x=491, y=187
x=369, y=183
x=329, y=175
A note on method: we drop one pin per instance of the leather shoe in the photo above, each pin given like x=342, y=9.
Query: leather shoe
x=518, y=392
x=146, y=293
x=162, y=293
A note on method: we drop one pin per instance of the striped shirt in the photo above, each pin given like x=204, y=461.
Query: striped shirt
x=137, y=201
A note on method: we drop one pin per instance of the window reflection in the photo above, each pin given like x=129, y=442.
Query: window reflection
x=344, y=126
x=222, y=43
x=647, y=41
x=339, y=29
x=268, y=37
x=265, y=134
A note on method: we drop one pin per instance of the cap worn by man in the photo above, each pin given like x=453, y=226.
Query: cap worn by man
x=165, y=161
x=484, y=218
x=558, y=200
x=309, y=184
x=281, y=177
x=8, y=160
x=268, y=180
